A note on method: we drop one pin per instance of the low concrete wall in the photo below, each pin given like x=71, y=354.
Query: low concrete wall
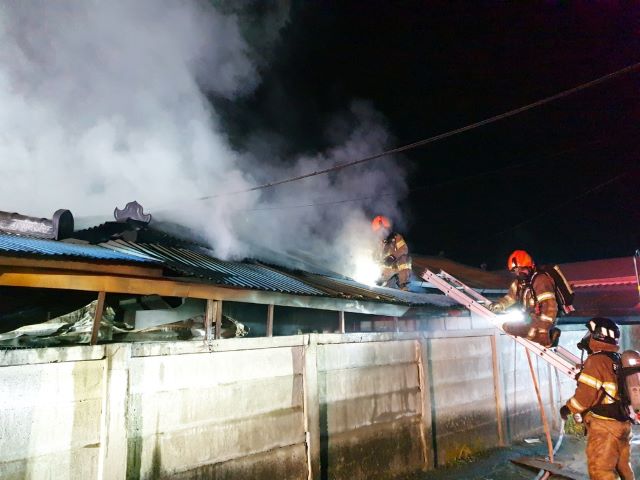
x=370, y=408
x=307, y=406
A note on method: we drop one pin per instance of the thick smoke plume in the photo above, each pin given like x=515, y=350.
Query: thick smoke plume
x=106, y=102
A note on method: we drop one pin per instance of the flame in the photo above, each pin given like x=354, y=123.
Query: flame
x=366, y=270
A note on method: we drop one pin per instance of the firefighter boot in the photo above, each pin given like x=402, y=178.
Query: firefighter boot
x=554, y=336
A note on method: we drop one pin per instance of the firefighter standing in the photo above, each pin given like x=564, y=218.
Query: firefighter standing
x=535, y=292
x=393, y=256
x=597, y=400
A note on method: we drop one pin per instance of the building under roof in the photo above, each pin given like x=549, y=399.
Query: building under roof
x=607, y=288
x=127, y=258
x=131, y=265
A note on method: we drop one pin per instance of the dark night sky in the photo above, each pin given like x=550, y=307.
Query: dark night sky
x=534, y=181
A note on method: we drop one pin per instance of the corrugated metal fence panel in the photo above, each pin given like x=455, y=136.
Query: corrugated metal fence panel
x=14, y=244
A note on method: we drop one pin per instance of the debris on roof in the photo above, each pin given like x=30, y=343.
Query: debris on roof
x=60, y=226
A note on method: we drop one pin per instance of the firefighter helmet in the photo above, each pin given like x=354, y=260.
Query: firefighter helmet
x=604, y=330
x=519, y=258
x=380, y=222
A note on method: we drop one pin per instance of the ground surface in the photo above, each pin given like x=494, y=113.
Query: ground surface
x=497, y=465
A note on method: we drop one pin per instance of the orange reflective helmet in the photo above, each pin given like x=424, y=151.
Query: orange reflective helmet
x=380, y=222
x=519, y=258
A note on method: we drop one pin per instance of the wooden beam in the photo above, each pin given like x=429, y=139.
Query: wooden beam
x=498, y=392
x=341, y=326
x=173, y=288
x=209, y=315
x=218, y=318
x=97, y=318
x=270, y=310
x=79, y=266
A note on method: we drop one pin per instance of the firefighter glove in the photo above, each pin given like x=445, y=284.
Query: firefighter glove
x=496, y=307
x=389, y=260
x=565, y=412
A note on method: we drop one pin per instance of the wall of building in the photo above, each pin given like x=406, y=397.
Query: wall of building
x=365, y=405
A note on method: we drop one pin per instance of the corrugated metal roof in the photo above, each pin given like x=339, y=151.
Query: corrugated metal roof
x=15, y=244
x=197, y=263
x=345, y=288
x=595, y=271
x=605, y=301
x=200, y=263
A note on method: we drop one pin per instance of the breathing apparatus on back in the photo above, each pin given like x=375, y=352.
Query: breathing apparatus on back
x=626, y=366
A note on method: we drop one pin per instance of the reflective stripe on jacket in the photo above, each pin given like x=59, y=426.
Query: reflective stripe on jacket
x=596, y=378
x=395, y=246
x=538, y=298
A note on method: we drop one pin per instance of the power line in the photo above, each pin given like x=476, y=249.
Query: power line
x=438, y=137
x=563, y=204
x=544, y=158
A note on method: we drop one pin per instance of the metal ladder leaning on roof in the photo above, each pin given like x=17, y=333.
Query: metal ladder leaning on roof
x=560, y=358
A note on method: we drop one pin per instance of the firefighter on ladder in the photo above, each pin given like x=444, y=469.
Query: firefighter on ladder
x=536, y=294
x=596, y=401
x=393, y=256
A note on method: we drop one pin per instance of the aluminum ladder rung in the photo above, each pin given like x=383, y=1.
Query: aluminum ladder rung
x=560, y=358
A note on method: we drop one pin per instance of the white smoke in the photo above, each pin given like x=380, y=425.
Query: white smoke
x=102, y=103
x=328, y=216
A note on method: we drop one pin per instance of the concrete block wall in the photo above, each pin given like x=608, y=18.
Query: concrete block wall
x=367, y=405
x=463, y=396
x=371, y=407
x=51, y=414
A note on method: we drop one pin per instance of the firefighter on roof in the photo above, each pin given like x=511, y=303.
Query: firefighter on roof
x=596, y=401
x=534, y=292
x=393, y=256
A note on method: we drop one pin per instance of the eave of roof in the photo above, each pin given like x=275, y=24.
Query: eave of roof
x=125, y=267
x=181, y=288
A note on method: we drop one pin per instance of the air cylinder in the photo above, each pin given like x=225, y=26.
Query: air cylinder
x=630, y=360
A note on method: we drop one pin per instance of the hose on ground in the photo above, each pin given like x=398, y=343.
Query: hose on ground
x=541, y=474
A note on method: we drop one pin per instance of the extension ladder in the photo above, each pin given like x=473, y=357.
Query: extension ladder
x=558, y=357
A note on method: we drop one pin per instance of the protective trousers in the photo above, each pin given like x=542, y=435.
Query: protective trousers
x=608, y=449
x=401, y=270
x=536, y=331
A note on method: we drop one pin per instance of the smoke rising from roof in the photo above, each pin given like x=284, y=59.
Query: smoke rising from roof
x=106, y=102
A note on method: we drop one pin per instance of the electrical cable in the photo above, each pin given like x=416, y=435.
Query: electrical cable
x=435, y=138
x=563, y=204
x=456, y=180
